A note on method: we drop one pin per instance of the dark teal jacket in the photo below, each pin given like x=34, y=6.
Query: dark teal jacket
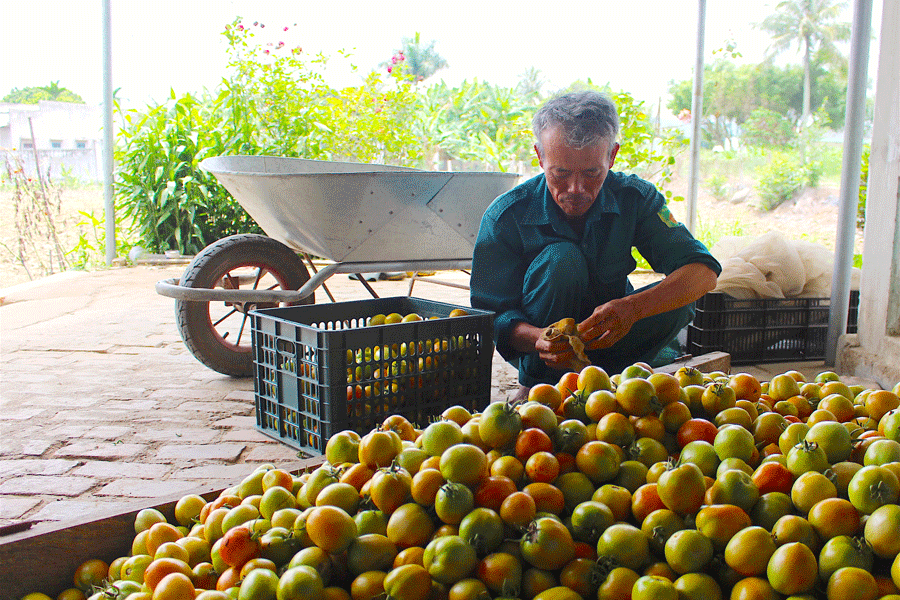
x=520, y=223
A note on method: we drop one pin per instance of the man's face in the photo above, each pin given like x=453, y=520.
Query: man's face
x=574, y=175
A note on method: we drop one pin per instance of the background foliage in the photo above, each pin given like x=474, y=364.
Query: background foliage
x=275, y=101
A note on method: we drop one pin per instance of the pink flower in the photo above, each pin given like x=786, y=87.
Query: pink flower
x=285, y=28
x=393, y=60
x=389, y=69
x=266, y=50
x=240, y=27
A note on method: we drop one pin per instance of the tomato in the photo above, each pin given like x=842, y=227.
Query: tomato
x=769, y=508
x=872, y=487
x=599, y=461
x=720, y=522
x=570, y=435
x=593, y=378
x=615, y=428
x=599, y=404
x=239, y=544
x=449, y=559
x=547, y=497
x=508, y=466
x=733, y=441
x=408, y=582
x=259, y=584
x=546, y=394
x=626, y=544
x=843, y=551
x=547, y=544
x=833, y=437
x=810, y=488
x=542, y=467
x=518, y=509
x=852, y=583
x=745, y=386
x=536, y=415
x=370, y=552
x=89, y=574
x=379, y=448
x=807, y=456
x=702, y=454
x=617, y=498
x=401, y=426
x=682, y=489
x=834, y=516
x=492, y=491
x=837, y=404
x=782, y=387
x=632, y=475
x=697, y=586
x=367, y=586
x=452, y=502
x=560, y=592
x=653, y=587
x=441, y=435
x=749, y=550
x=772, y=477
x=482, y=528
x=881, y=531
x=330, y=528
x=733, y=487
x=881, y=452
x=589, y=519
x=688, y=551
x=501, y=573
x=390, y=487
x=469, y=589
x=174, y=586
x=464, y=463
x=342, y=447
x=716, y=398
x=409, y=526
x=637, y=397
x=500, y=424
x=318, y=480
x=794, y=528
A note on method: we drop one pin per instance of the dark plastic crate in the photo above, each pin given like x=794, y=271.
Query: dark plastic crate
x=321, y=370
x=764, y=331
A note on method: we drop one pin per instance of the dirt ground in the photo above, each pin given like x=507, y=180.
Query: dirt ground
x=812, y=216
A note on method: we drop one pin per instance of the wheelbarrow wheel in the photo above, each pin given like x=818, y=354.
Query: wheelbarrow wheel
x=218, y=333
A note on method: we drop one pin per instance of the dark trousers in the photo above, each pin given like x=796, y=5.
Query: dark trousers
x=558, y=285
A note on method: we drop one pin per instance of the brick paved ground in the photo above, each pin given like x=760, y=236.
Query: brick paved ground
x=102, y=406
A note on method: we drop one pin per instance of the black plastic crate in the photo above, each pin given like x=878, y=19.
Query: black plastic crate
x=764, y=331
x=321, y=370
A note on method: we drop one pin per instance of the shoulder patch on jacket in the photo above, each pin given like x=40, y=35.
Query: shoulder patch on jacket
x=667, y=217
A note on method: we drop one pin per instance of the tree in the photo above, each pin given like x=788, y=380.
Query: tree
x=531, y=85
x=422, y=61
x=33, y=95
x=812, y=26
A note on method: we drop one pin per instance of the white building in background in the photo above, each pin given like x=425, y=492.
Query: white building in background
x=67, y=136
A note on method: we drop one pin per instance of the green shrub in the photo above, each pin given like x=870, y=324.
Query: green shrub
x=863, y=188
x=717, y=186
x=779, y=180
x=766, y=127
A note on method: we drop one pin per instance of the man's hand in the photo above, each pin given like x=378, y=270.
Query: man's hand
x=608, y=323
x=557, y=353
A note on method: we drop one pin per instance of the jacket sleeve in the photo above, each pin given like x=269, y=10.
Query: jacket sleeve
x=664, y=242
x=498, y=274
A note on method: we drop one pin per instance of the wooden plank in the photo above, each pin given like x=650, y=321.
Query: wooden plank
x=711, y=361
x=44, y=558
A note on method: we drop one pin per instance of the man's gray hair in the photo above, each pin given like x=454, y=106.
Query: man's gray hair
x=588, y=118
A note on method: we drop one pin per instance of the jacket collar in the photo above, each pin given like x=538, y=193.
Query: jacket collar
x=545, y=211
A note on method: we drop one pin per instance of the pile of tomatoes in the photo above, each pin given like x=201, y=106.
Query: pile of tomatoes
x=641, y=485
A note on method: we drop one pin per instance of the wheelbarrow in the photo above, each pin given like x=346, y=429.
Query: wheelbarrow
x=359, y=218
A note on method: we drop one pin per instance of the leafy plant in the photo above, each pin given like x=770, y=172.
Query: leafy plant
x=89, y=251
x=766, y=127
x=779, y=180
x=718, y=186
x=863, y=188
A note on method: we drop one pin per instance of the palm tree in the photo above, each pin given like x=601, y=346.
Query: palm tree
x=422, y=61
x=812, y=26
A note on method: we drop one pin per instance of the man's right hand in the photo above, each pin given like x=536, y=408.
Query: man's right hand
x=556, y=354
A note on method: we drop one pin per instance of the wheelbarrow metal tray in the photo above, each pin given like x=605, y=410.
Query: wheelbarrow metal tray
x=321, y=370
x=350, y=212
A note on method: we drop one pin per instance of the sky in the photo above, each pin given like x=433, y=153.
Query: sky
x=637, y=46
